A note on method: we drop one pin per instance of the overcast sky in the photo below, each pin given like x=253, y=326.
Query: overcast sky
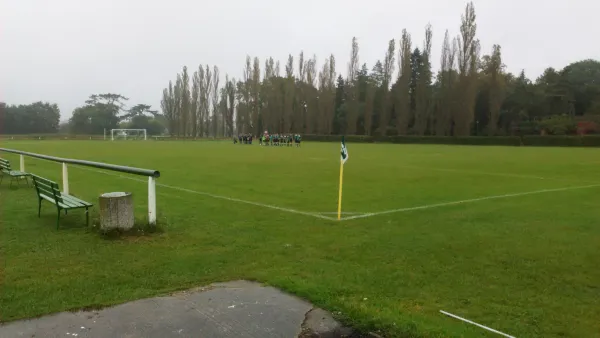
x=64, y=50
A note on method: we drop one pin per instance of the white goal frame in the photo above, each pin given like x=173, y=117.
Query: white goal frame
x=112, y=133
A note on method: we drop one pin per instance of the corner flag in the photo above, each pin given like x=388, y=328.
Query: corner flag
x=344, y=151
x=343, y=160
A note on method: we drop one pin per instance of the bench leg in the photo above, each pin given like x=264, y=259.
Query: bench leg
x=1, y=178
x=39, y=208
x=87, y=217
x=58, y=219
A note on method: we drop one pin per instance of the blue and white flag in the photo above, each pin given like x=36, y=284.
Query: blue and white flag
x=344, y=151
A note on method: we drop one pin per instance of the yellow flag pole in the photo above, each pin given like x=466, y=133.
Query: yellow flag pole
x=340, y=193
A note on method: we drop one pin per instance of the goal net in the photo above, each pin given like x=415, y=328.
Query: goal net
x=128, y=134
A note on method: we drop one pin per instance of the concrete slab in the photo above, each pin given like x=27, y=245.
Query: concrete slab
x=234, y=309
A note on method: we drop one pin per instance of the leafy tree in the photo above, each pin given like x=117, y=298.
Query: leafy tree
x=38, y=117
x=153, y=125
x=100, y=113
x=140, y=110
x=91, y=119
x=582, y=79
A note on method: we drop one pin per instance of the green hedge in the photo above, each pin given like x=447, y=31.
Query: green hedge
x=562, y=141
x=52, y=137
x=528, y=140
x=470, y=140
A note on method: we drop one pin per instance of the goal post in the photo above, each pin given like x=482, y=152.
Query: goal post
x=128, y=134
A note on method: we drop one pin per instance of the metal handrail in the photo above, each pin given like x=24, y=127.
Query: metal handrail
x=113, y=167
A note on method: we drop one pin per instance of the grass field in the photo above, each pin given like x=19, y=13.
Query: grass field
x=506, y=237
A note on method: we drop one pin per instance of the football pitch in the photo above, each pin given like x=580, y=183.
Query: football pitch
x=507, y=237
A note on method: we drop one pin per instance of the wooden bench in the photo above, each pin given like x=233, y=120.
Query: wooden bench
x=49, y=191
x=5, y=169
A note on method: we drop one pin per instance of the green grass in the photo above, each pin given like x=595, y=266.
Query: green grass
x=525, y=265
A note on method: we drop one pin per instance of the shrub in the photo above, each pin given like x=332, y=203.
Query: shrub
x=562, y=141
x=469, y=140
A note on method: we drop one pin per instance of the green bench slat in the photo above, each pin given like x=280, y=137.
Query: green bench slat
x=45, y=181
x=17, y=173
x=6, y=169
x=74, y=201
x=49, y=191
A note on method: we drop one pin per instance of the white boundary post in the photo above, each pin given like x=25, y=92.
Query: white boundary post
x=151, y=200
x=22, y=163
x=65, y=176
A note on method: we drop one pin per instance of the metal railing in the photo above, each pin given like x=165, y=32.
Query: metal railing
x=151, y=174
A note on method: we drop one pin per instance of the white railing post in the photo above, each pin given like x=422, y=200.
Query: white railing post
x=65, y=172
x=21, y=163
x=151, y=200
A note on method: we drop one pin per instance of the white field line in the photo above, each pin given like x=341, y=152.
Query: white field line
x=485, y=173
x=472, y=322
x=293, y=211
x=343, y=213
x=430, y=206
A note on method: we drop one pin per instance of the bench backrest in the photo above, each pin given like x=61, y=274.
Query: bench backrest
x=47, y=188
x=4, y=165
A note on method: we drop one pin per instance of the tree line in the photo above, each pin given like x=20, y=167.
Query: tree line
x=38, y=117
x=101, y=112
x=471, y=94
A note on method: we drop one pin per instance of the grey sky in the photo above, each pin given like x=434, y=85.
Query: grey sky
x=64, y=50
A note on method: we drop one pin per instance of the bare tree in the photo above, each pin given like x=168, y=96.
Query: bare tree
x=194, y=104
x=354, y=61
x=199, y=123
x=177, y=103
x=446, y=103
x=423, y=90
x=215, y=102
x=496, y=85
x=388, y=97
x=229, y=112
x=245, y=106
x=255, y=88
x=352, y=89
x=331, y=87
x=369, y=99
x=185, y=101
x=204, y=102
x=277, y=70
x=468, y=55
x=310, y=96
x=167, y=105
x=289, y=96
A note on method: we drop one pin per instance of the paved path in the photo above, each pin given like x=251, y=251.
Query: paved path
x=233, y=309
